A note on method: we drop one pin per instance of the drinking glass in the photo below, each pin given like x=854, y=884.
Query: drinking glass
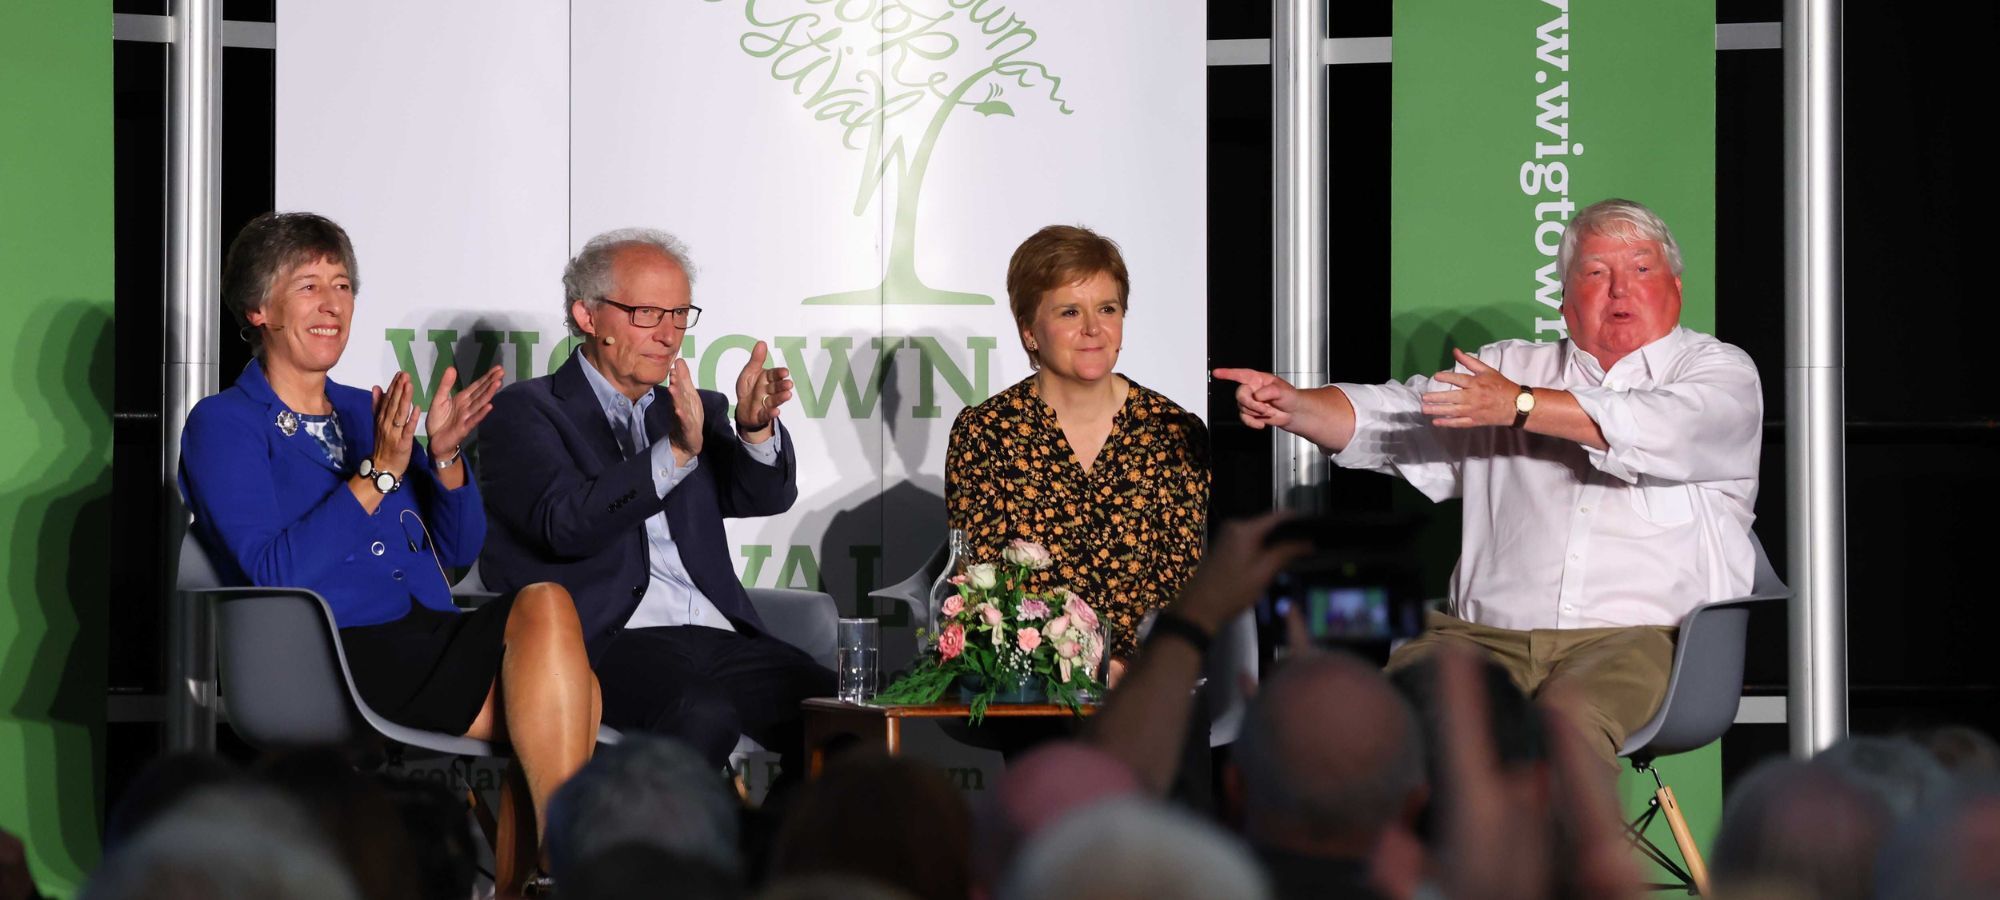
x=857, y=654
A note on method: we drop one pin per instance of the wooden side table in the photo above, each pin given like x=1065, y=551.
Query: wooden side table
x=827, y=719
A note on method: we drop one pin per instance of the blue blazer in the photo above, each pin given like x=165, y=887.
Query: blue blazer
x=272, y=511
x=568, y=507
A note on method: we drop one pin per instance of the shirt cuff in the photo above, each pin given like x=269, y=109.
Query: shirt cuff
x=666, y=473
x=766, y=452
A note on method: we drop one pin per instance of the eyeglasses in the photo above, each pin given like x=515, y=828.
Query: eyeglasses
x=649, y=316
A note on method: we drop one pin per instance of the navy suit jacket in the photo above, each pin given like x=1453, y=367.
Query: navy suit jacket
x=567, y=507
x=271, y=510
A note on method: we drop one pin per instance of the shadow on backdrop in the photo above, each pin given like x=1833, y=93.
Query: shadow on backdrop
x=53, y=623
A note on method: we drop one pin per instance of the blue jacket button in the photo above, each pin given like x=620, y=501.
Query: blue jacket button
x=377, y=548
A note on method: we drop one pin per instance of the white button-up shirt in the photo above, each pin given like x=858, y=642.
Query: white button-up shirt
x=671, y=596
x=1559, y=535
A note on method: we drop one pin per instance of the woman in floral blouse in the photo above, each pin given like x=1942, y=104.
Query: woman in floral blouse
x=1111, y=477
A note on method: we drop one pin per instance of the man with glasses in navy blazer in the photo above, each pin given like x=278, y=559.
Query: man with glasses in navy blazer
x=611, y=476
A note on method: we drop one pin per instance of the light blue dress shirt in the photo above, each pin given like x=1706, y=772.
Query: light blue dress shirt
x=671, y=596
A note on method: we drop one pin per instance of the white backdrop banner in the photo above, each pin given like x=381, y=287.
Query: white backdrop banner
x=851, y=176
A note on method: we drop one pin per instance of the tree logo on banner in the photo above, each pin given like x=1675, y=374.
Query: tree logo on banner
x=867, y=63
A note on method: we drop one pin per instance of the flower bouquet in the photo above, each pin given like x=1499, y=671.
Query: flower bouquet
x=994, y=634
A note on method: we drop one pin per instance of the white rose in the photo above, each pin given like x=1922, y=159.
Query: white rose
x=982, y=576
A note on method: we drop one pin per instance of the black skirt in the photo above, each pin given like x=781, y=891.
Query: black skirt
x=429, y=669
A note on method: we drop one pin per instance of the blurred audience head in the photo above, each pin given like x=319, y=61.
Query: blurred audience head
x=1330, y=757
x=159, y=785
x=1037, y=790
x=356, y=815
x=226, y=843
x=645, y=790
x=1802, y=826
x=888, y=819
x=1963, y=751
x=440, y=835
x=1134, y=849
x=647, y=870
x=1903, y=775
x=1949, y=851
x=831, y=887
x=1516, y=724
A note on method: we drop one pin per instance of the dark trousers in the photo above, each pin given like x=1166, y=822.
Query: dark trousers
x=707, y=686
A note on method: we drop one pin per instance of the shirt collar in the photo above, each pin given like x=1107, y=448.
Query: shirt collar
x=616, y=405
x=1651, y=360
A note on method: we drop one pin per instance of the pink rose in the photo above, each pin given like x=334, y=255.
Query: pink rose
x=1057, y=627
x=1034, y=609
x=1086, y=618
x=952, y=642
x=953, y=605
x=956, y=579
x=1028, y=640
x=1066, y=650
x=1028, y=555
x=990, y=613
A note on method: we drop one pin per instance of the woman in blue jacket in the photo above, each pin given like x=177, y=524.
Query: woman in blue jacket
x=298, y=481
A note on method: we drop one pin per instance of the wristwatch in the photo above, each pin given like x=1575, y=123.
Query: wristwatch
x=383, y=479
x=1524, y=403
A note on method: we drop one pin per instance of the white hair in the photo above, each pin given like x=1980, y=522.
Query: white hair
x=589, y=277
x=1139, y=849
x=226, y=843
x=646, y=790
x=1625, y=219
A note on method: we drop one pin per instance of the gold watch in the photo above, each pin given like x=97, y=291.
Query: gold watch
x=1524, y=403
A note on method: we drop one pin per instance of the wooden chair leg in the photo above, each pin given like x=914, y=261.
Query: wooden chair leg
x=1683, y=838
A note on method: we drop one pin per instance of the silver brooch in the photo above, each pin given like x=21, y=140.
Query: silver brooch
x=288, y=422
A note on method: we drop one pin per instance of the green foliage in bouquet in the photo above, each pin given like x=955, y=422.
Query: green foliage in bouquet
x=995, y=633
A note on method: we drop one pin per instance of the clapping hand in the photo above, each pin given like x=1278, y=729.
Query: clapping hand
x=1484, y=397
x=689, y=417
x=395, y=423
x=454, y=415
x=759, y=393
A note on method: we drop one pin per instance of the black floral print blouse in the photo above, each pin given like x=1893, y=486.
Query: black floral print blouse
x=1125, y=535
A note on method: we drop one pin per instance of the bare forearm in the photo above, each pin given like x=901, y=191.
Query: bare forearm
x=1324, y=416
x=1144, y=721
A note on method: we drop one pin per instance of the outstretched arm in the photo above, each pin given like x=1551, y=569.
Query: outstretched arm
x=1145, y=718
x=1322, y=415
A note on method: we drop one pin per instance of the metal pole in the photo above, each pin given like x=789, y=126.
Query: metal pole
x=194, y=154
x=1815, y=450
x=1299, y=124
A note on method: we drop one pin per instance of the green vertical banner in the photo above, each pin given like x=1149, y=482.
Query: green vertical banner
x=1510, y=116
x=55, y=400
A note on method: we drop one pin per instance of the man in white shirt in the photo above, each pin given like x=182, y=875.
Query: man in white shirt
x=1608, y=479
